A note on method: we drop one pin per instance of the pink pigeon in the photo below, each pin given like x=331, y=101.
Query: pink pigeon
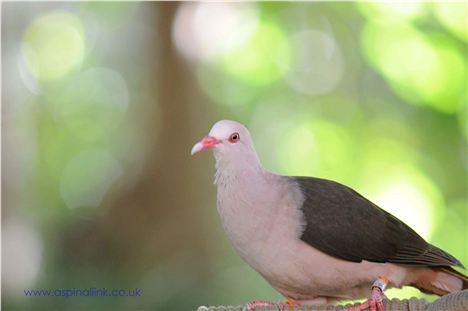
x=314, y=240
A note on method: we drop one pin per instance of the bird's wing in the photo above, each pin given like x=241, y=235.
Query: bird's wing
x=342, y=223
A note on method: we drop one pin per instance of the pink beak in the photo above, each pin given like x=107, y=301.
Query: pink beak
x=205, y=143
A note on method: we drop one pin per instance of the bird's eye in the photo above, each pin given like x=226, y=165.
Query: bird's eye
x=234, y=138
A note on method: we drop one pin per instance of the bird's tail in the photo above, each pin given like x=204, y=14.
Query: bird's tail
x=458, y=275
x=439, y=280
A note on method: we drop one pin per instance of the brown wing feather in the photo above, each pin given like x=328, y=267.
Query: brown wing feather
x=430, y=256
x=344, y=224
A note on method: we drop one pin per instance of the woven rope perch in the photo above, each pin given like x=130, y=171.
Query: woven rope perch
x=453, y=302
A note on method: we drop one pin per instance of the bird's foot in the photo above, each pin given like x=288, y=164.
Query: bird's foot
x=262, y=303
x=286, y=303
x=374, y=302
x=257, y=303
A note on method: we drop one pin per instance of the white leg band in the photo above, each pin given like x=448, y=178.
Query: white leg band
x=380, y=284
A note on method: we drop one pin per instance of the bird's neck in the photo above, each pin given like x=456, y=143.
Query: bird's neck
x=255, y=208
x=244, y=192
x=235, y=171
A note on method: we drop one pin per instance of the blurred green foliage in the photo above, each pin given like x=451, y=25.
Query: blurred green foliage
x=373, y=95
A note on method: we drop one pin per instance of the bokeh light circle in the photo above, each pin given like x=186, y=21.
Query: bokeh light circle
x=207, y=31
x=404, y=191
x=453, y=16
x=263, y=59
x=24, y=246
x=388, y=11
x=316, y=62
x=422, y=70
x=54, y=45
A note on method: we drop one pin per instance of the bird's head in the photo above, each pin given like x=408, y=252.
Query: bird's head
x=228, y=139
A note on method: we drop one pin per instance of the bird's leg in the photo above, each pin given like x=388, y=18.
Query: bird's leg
x=261, y=303
x=374, y=302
